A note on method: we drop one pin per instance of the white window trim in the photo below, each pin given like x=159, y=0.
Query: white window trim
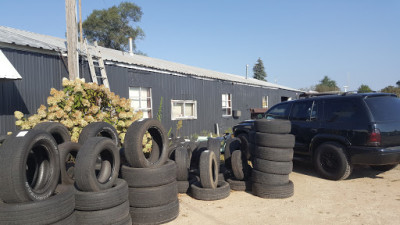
x=140, y=101
x=184, y=117
x=228, y=107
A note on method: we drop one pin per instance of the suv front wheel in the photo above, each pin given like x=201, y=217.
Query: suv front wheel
x=331, y=162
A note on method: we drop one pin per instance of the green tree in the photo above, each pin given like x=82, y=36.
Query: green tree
x=326, y=84
x=364, y=89
x=259, y=70
x=398, y=83
x=391, y=89
x=112, y=27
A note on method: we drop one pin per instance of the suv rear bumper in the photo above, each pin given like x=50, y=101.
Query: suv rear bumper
x=374, y=155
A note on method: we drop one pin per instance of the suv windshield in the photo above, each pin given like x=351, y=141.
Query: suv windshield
x=384, y=108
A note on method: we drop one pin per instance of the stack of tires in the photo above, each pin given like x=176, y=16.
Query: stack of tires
x=272, y=159
x=153, y=190
x=101, y=198
x=210, y=187
x=29, y=175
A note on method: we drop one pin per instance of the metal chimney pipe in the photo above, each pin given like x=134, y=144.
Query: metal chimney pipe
x=130, y=46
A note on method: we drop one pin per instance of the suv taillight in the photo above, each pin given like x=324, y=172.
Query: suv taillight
x=374, y=138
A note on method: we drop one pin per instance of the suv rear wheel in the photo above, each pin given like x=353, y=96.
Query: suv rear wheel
x=331, y=162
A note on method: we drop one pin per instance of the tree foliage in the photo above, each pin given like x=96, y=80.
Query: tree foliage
x=391, y=89
x=326, y=84
x=259, y=70
x=112, y=27
x=364, y=89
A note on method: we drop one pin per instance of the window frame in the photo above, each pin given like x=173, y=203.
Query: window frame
x=226, y=110
x=184, y=117
x=149, y=98
x=264, y=99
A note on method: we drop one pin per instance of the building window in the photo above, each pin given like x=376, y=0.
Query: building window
x=183, y=109
x=226, y=104
x=265, y=101
x=141, y=100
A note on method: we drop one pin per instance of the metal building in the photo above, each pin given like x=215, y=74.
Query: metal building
x=206, y=101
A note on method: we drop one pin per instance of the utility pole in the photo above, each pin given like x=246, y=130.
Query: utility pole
x=72, y=38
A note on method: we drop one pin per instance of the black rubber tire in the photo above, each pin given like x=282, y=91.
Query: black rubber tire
x=210, y=194
x=68, y=149
x=59, y=132
x=182, y=164
x=245, y=145
x=195, y=160
x=384, y=168
x=112, y=215
x=273, y=154
x=149, y=177
x=208, y=170
x=239, y=185
x=214, y=144
x=252, y=136
x=99, y=129
x=274, y=140
x=331, y=161
x=240, y=167
x=48, y=211
x=268, y=178
x=183, y=186
x=86, y=178
x=274, y=167
x=29, y=166
x=231, y=145
x=133, y=143
x=155, y=215
x=153, y=196
x=125, y=221
x=104, y=199
x=275, y=126
x=273, y=191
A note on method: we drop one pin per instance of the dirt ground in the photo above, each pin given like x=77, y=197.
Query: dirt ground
x=366, y=197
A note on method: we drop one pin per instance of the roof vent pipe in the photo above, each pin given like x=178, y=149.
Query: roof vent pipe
x=130, y=46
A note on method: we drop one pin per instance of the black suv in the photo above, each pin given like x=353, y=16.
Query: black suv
x=339, y=131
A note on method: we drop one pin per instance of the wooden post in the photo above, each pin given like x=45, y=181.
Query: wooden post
x=72, y=38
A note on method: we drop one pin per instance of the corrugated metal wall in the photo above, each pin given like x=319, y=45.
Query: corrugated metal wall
x=41, y=72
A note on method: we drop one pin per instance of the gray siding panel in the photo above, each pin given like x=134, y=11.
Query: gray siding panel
x=41, y=72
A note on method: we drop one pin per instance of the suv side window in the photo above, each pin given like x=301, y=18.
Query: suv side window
x=343, y=111
x=304, y=111
x=280, y=111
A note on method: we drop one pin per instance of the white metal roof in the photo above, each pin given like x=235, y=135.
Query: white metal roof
x=25, y=38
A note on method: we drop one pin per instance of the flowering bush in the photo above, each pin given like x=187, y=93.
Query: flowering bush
x=79, y=104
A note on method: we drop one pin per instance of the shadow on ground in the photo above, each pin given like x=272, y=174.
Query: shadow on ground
x=305, y=166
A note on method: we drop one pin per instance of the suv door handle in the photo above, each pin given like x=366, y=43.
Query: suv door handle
x=314, y=131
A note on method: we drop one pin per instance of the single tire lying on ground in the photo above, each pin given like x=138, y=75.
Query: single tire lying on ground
x=87, y=176
x=104, y=199
x=59, y=132
x=155, y=215
x=48, y=211
x=99, y=129
x=133, y=143
x=208, y=169
x=209, y=194
x=29, y=166
x=273, y=191
x=149, y=177
x=68, y=153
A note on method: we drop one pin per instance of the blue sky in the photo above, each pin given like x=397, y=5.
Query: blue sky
x=353, y=42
